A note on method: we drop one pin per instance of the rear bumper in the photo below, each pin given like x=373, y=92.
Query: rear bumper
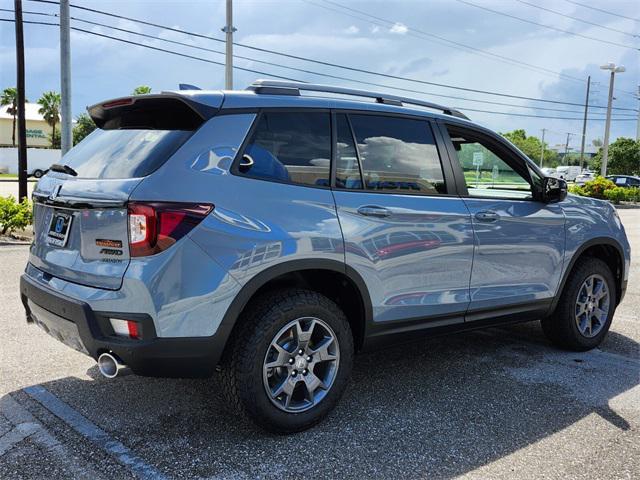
x=74, y=323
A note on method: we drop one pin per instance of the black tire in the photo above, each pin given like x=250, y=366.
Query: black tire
x=38, y=173
x=561, y=327
x=242, y=364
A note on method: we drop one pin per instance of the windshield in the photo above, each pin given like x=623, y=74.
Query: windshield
x=123, y=153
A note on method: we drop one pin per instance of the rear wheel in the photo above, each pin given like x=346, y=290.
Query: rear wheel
x=290, y=360
x=38, y=173
x=585, y=309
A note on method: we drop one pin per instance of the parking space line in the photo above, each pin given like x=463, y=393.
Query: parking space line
x=91, y=431
x=26, y=426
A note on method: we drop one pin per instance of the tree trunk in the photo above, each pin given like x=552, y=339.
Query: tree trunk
x=53, y=135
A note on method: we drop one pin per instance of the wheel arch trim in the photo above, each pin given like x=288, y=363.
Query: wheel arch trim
x=249, y=289
x=593, y=242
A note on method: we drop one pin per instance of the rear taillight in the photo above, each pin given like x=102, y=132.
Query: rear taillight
x=155, y=226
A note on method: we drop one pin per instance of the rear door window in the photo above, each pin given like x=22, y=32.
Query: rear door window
x=128, y=153
x=293, y=147
x=398, y=155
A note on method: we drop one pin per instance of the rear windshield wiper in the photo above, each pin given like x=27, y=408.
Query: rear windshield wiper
x=57, y=167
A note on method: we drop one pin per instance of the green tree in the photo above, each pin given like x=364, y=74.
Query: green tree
x=83, y=127
x=532, y=147
x=9, y=97
x=50, y=110
x=141, y=90
x=624, y=157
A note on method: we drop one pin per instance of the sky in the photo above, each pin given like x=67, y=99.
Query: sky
x=448, y=42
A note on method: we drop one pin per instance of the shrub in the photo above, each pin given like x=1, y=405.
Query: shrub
x=632, y=194
x=577, y=190
x=596, y=188
x=616, y=194
x=14, y=215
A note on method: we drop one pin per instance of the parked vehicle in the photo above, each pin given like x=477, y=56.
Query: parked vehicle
x=274, y=235
x=548, y=171
x=568, y=173
x=625, y=181
x=584, y=177
x=36, y=172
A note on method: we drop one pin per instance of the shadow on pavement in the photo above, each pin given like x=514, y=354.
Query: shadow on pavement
x=434, y=408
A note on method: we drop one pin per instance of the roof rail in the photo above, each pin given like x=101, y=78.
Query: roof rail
x=281, y=87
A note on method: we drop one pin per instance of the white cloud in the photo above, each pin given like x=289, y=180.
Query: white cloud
x=374, y=29
x=352, y=30
x=399, y=28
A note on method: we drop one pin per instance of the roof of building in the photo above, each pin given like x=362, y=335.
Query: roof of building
x=31, y=112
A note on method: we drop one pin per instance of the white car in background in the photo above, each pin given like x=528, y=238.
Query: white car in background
x=549, y=172
x=585, y=177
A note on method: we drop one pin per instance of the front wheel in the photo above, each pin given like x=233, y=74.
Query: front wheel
x=585, y=309
x=38, y=173
x=290, y=360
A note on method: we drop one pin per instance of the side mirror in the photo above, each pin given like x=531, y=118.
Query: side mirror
x=553, y=190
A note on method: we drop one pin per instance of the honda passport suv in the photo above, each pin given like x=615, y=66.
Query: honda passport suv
x=270, y=234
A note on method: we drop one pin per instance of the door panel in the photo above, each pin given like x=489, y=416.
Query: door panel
x=518, y=252
x=415, y=258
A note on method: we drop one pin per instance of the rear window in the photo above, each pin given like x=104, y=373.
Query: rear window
x=125, y=153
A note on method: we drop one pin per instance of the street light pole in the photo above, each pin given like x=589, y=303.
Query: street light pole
x=605, y=147
x=66, y=141
x=228, y=29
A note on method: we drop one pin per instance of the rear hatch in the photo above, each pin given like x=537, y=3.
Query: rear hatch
x=81, y=224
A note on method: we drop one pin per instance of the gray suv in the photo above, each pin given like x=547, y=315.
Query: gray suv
x=270, y=234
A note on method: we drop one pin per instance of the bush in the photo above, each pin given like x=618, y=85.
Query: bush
x=14, y=215
x=596, y=188
x=577, y=190
x=616, y=195
x=632, y=194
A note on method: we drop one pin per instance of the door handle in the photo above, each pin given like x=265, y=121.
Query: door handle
x=487, y=216
x=374, y=211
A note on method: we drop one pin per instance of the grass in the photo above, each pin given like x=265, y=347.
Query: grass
x=8, y=175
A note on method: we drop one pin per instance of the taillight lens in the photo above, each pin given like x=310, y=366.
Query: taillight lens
x=155, y=226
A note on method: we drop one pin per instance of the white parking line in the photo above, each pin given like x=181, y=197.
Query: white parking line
x=26, y=426
x=94, y=433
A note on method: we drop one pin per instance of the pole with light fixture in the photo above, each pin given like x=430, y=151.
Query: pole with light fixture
x=605, y=147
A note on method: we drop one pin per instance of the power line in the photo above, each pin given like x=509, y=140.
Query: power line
x=413, y=31
x=430, y=36
x=197, y=47
x=577, y=19
x=602, y=11
x=276, y=76
x=497, y=12
x=264, y=50
x=157, y=49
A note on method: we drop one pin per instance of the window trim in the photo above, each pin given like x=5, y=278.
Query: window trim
x=507, y=154
x=235, y=165
x=445, y=161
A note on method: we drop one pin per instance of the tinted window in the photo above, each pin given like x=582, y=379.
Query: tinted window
x=487, y=173
x=347, y=169
x=123, y=153
x=398, y=154
x=290, y=147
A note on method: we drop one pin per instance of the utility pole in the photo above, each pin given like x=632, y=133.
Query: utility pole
x=566, y=149
x=605, y=147
x=638, y=124
x=22, y=124
x=584, y=123
x=542, y=149
x=228, y=29
x=66, y=136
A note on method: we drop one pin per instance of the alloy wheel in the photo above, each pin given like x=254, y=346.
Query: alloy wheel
x=301, y=364
x=592, y=306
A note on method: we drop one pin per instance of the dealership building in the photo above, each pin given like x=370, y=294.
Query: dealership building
x=38, y=130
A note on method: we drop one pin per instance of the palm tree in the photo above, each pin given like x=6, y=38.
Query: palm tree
x=9, y=96
x=50, y=110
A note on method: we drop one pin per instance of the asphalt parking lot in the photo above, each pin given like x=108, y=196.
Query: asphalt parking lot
x=500, y=403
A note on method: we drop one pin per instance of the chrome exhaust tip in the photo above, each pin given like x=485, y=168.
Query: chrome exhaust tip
x=110, y=366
